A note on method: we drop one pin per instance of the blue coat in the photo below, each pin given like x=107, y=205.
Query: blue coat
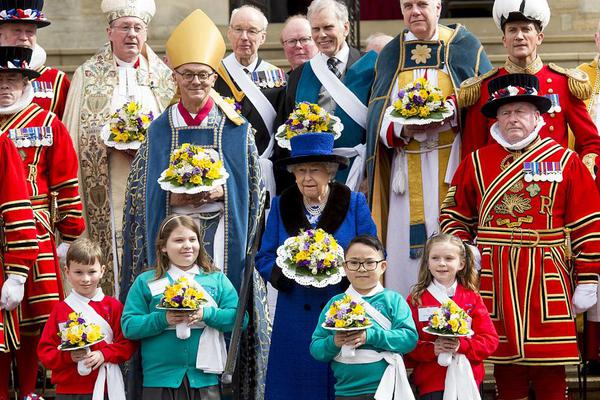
x=292, y=373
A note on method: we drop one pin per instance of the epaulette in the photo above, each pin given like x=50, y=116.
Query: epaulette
x=579, y=82
x=227, y=108
x=470, y=89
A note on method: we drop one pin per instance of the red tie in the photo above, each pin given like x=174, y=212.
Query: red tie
x=195, y=121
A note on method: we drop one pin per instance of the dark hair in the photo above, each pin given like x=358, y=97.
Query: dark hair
x=537, y=24
x=467, y=276
x=368, y=240
x=84, y=251
x=169, y=224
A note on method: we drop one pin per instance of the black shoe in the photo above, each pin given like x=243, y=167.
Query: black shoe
x=593, y=368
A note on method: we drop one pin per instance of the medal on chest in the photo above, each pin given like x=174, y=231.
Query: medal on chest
x=542, y=171
x=44, y=90
x=33, y=136
x=555, y=107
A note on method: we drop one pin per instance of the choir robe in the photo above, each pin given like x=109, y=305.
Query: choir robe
x=51, y=172
x=19, y=234
x=521, y=230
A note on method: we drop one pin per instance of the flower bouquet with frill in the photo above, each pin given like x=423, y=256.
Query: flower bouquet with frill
x=419, y=103
x=313, y=258
x=307, y=118
x=193, y=169
x=126, y=129
x=182, y=295
x=77, y=334
x=346, y=315
x=448, y=321
x=237, y=106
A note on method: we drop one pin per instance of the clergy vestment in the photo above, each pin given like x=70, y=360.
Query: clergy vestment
x=147, y=204
x=101, y=86
x=408, y=177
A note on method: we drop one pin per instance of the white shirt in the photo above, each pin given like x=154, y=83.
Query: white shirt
x=341, y=55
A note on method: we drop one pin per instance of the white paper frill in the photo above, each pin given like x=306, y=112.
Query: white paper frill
x=169, y=187
x=62, y=347
x=417, y=120
x=357, y=328
x=105, y=135
x=284, y=254
x=426, y=329
x=284, y=142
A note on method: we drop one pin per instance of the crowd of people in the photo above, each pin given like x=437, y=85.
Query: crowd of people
x=493, y=208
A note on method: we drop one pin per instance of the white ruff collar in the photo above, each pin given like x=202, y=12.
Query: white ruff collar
x=495, y=132
x=38, y=58
x=20, y=104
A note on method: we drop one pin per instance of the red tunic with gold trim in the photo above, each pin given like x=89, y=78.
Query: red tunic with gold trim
x=19, y=244
x=50, y=90
x=50, y=164
x=564, y=87
x=521, y=226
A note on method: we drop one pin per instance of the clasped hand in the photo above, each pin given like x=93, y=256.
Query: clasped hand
x=353, y=339
x=183, y=199
x=93, y=359
x=178, y=317
x=410, y=131
x=445, y=345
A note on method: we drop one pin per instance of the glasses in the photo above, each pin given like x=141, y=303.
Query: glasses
x=189, y=76
x=293, y=42
x=252, y=33
x=368, y=265
x=124, y=29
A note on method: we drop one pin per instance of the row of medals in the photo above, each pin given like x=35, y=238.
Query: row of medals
x=543, y=171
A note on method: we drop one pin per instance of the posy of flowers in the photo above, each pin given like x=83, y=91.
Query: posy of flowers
x=307, y=118
x=346, y=314
x=182, y=294
x=127, y=127
x=193, y=169
x=449, y=319
x=77, y=333
x=419, y=99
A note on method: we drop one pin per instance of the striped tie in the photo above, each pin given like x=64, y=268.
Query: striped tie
x=332, y=63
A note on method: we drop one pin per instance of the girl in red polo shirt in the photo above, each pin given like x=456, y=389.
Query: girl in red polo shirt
x=447, y=271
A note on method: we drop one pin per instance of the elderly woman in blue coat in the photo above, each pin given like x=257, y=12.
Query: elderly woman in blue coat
x=314, y=202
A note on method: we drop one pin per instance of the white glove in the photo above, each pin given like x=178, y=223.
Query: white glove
x=585, y=297
x=13, y=291
x=61, y=252
x=476, y=256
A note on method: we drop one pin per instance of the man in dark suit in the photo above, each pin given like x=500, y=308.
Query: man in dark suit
x=338, y=79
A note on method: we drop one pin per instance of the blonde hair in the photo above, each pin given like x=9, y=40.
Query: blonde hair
x=85, y=252
x=467, y=276
x=169, y=224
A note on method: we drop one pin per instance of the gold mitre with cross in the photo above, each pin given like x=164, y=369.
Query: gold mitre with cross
x=196, y=40
x=142, y=9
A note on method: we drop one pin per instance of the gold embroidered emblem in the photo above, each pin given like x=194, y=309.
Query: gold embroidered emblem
x=502, y=221
x=420, y=54
x=533, y=189
x=512, y=203
x=517, y=187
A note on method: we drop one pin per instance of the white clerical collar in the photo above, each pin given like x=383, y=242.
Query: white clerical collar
x=251, y=67
x=411, y=36
x=175, y=272
x=99, y=296
x=19, y=105
x=495, y=132
x=122, y=63
x=450, y=291
x=38, y=58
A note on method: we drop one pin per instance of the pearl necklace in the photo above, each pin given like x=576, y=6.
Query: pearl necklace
x=315, y=211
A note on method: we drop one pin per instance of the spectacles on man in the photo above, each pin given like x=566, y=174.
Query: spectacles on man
x=189, y=76
x=368, y=265
x=293, y=42
x=124, y=29
x=252, y=33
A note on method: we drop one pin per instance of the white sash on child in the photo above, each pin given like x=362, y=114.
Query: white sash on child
x=108, y=373
x=459, y=373
x=212, y=352
x=394, y=382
